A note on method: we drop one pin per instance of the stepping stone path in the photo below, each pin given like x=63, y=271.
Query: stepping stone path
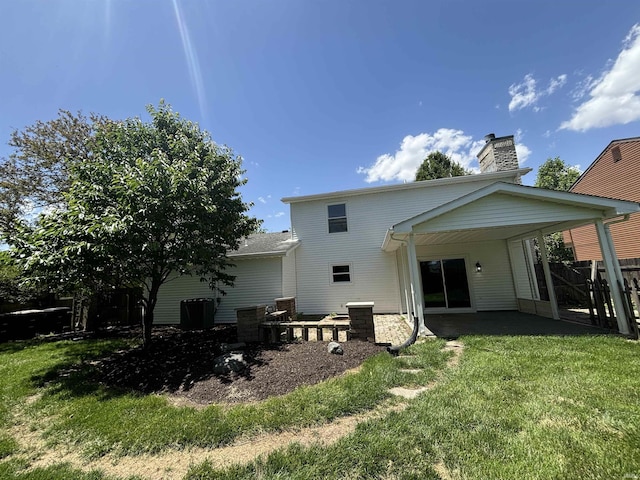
x=411, y=393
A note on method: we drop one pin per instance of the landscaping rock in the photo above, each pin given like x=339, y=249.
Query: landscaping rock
x=335, y=348
x=228, y=363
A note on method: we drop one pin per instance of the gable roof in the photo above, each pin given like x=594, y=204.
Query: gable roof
x=265, y=245
x=543, y=212
x=612, y=143
x=497, y=176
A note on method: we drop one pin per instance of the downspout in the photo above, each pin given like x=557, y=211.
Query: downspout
x=395, y=349
x=624, y=218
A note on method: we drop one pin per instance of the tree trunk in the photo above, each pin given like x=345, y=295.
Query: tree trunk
x=147, y=321
x=147, y=324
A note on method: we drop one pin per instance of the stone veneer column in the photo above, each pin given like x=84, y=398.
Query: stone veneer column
x=288, y=304
x=249, y=320
x=361, y=317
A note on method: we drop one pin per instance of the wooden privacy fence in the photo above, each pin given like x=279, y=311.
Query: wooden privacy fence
x=574, y=288
x=601, y=307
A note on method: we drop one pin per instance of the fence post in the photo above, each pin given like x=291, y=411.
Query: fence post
x=628, y=306
x=611, y=317
x=590, y=292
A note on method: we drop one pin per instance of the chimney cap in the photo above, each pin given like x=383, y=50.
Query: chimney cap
x=489, y=137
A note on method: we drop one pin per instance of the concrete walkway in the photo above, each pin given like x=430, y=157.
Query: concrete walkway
x=392, y=329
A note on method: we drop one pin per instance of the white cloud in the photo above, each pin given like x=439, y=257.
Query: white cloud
x=525, y=93
x=263, y=199
x=402, y=165
x=523, y=153
x=279, y=214
x=614, y=97
x=556, y=83
x=582, y=87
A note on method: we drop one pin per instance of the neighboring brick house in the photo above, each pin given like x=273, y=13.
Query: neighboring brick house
x=614, y=174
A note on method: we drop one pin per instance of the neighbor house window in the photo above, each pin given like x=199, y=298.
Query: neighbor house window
x=337, y=218
x=341, y=273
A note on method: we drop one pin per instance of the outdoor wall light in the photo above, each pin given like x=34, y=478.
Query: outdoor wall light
x=478, y=267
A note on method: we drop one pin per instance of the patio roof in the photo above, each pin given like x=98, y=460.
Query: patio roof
x=504, y=211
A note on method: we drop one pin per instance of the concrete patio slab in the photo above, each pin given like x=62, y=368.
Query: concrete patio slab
x=503, y=323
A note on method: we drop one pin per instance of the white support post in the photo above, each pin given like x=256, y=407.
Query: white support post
x=612, y=268
x=547, y=275
x=531, y=269
x=414, y=276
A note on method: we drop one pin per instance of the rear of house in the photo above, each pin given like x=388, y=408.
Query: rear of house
x=265, y=265
x=457, y=244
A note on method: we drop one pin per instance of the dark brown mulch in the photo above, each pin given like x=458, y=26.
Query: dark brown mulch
x=181, y=363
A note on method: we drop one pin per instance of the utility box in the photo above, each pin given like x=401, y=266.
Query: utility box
x=197, y=313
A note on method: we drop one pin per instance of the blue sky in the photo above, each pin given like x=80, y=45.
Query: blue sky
x=326, y=95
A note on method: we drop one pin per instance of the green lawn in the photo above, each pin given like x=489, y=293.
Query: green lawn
x=515, y=407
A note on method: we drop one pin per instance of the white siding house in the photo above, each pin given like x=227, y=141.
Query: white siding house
x=264, y=270
x=458, y=244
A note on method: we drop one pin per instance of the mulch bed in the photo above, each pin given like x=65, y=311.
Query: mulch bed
x=181, y=363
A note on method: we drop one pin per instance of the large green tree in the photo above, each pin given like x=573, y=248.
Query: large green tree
x=152, y=200
x=35, y=175
x=555, y=174
x=439, y=165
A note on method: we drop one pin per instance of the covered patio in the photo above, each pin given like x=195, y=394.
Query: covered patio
x=475, y=255
x=455, y=325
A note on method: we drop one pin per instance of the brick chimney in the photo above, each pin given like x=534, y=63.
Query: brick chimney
x=498, y=154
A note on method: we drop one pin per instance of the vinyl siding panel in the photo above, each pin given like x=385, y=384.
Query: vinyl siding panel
x=258, y=282
x=618, y=180
x=491, y=289
x=374, y=272
x=289, y=275
x=504, y=210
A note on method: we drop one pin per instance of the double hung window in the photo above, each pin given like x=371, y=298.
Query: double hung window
x=341, y=273
x=337, y=215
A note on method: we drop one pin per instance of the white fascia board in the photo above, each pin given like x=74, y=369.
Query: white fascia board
x=390, y=244
x=276, y=253
x=497, y=176
x=607, y=206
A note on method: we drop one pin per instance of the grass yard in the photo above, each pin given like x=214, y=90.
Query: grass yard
x=514, y=407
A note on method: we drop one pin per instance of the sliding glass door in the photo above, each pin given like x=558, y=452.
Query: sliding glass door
x=444, y=283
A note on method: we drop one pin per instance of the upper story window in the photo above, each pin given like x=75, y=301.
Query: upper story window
x=337, y=218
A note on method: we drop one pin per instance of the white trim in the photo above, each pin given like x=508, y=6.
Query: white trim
x=607, y=206
x=410, y=186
